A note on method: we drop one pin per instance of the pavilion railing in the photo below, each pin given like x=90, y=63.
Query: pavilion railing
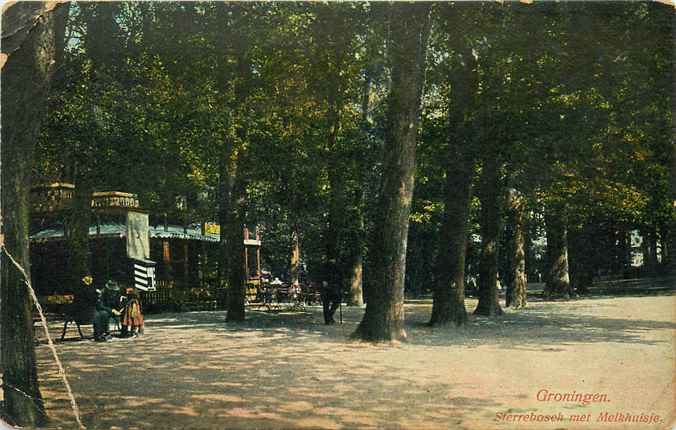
x=176, y=297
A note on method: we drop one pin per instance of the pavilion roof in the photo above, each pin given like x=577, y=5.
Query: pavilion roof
x=118, y=230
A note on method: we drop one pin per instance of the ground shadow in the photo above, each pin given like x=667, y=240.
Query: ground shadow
x=288, y=370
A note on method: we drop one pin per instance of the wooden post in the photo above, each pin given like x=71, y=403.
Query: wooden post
x=166, y=259
x=258, y=261
x=245, y=250
x=186, y=267
x=246, y=262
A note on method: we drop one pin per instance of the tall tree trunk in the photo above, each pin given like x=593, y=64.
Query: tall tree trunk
x=101, y=47
x=226, y=179
x=516, y=295
x=449, y=291
x=332, y=39
x=672, y=177
x=336, y=225
x=384, y=316
x=534, y=261
x=650, y=249
x=558, y=278
x=294, y=266
x=28, y=53
x=356, y=297
x=77, y=228
x=357, y=243
x=356, y=278
x=580, y=242
x=232, y=38
x=623, y=250
x=237, y=276
x=231, y=242
x=490, y=230
x=356, y=259
x=664, y=245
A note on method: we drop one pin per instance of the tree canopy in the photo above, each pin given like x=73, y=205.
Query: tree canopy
x=570, y=100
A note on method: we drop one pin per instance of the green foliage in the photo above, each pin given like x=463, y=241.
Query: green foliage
x=573, y=97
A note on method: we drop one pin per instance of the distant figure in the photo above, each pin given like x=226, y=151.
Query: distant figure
x=330, y=294
x=294, y=291
x=132, y=316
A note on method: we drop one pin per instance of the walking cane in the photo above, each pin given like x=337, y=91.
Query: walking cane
x=340, y=307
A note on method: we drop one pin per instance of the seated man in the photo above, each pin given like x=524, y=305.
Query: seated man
x=102, y=320
x=111, y=299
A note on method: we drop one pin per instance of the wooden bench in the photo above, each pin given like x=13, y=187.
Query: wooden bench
x=51, y=317
x=79, y=328
x=311, y=294
x=69, y=315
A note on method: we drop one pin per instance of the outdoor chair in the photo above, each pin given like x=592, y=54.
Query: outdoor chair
x=79, y=317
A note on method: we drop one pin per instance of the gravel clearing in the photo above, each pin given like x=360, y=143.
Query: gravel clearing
x=530, y=369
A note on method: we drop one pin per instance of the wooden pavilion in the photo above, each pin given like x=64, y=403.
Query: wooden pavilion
x=185, y=255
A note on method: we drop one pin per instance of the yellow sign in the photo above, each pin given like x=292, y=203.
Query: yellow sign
x=211, y=228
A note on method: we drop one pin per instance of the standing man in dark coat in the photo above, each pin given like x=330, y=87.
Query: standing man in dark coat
x=330, y=294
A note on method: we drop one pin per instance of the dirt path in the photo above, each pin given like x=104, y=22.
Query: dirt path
x=288, y=370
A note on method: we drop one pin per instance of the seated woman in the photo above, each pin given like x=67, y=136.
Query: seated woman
x=132, y=316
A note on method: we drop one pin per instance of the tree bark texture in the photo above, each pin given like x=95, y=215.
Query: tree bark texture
x=516, y=295
x=581, y=257
x=672, y=178
x=232, y=234
x=237, y=275
x=449, y=294
x=384, y=316
x=356, y=278
x=489, y=195
x=622, y=251
x=558, y=278
x=294, y=264
x=332, y=43
x=335, y=265
x=357, y=246
x=650, y=249
x=101, y=47
x=232, y=39
x=77, y=229
x=26, y=61
x=449, y=291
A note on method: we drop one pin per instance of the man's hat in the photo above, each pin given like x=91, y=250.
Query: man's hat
x=87, y=280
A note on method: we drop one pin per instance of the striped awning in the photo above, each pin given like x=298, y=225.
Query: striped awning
x=144, y=274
